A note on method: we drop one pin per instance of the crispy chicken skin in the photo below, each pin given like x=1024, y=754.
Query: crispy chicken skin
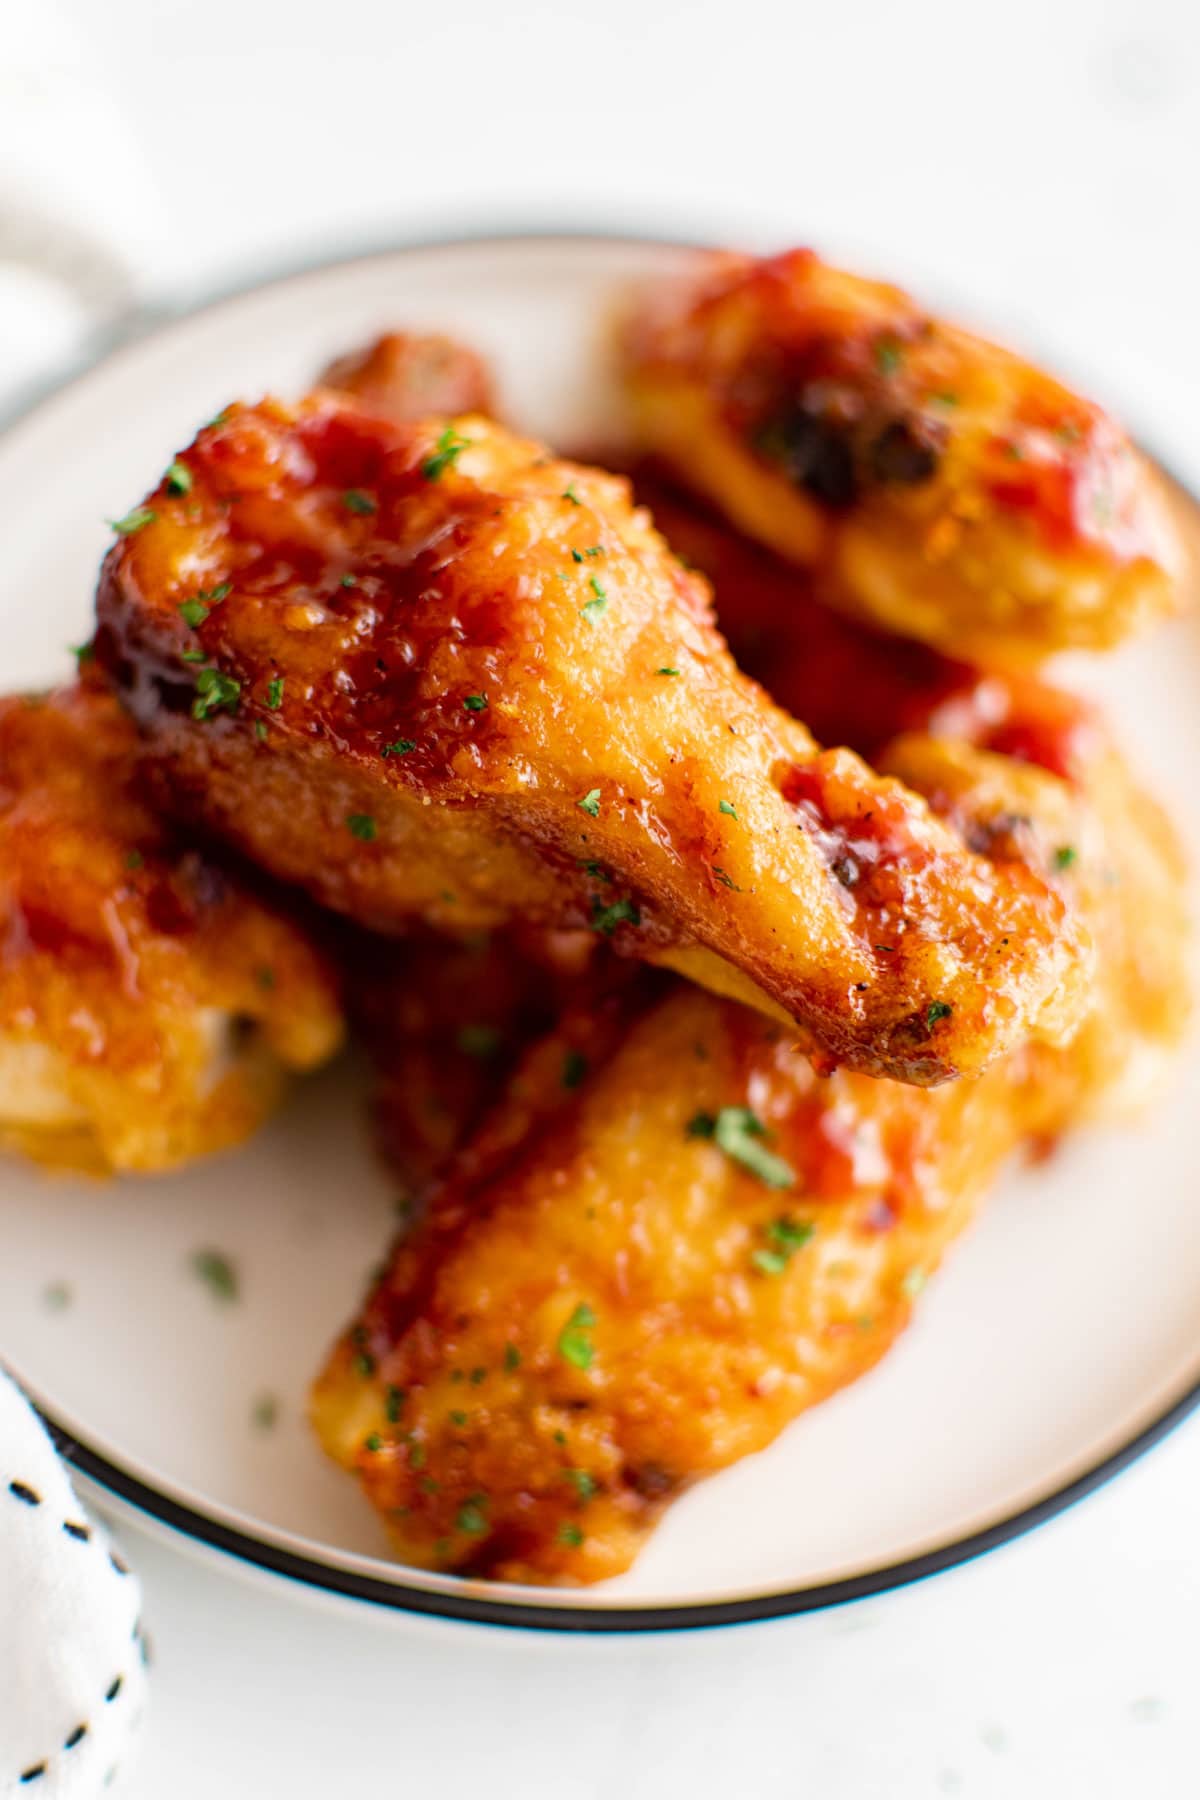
x=412, y=375
x=468, y=683
x=616, y=1293
x=150, y=1002
x=947, y=490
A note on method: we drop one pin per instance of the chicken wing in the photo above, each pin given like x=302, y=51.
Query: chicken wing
x=946, y=489
x=412, y=375
x=468, y=683
x=151, y=1002
x=652, y=1277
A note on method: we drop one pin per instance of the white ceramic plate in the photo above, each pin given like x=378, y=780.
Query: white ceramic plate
x=1059, y=1343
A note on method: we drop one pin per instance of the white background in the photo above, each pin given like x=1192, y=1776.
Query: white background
x=1035, y=160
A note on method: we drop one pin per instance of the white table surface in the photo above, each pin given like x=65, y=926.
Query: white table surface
x=1033, y=160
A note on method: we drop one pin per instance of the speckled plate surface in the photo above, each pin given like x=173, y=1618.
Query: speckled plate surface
x=1061, y=1340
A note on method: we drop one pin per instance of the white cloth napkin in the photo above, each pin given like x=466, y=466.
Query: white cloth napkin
x=72, y=1655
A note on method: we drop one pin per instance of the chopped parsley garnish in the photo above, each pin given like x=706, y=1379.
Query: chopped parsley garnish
x=598, y=870
x=590, y=804
x=569, y=493
x=134, y=859
x=364, y=1364
x=355, y=501
x=192, y=656
x=575, y=1067
x=479, y=1041
x=512, y=1357
x=889, y=354
x=577, y=556
x=260, y=730
x=737, y=1132
x=665, y=671
x=264, y=1414
x=178, y=478
x=476, y=702
x=1065, y=855
x=583, y=1483
x=596, y=606
x=937, y=1010
x=361, y=826
x=784, y=1238
x=575, y=1339
x=214, y=691
x=476, y=1376
x=348, y=581
x=193, y=613
x=84, y=653
x=447, y=450
x=401, y=747
x=137, y=520
x=373, y=1442
x=570, y=1535
x=729, y=811
x=726, y=879
x=472, y=1515
x=457, y=1417
x=946, y=399
x=594, y=550
x=275, y=692
x=605, y=919
x=217, y=1272
x=393, y=1404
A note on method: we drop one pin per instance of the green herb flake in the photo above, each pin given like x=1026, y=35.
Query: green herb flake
x=595, y=606
x=260, y=730
x=134, y=859
x=889, y=355
x=726, y=879
x=373, y=1442
x=217, y=1272
x=416, y=1454
x=178, y=479
x=472, y=1516
x=193, y=613
x=569, y=493
x=605, y=919
x=946, y=399
x=356, y=501
x=570, y=1535
x=458, y=1417
x=447, y=450
x=137, y=520
x=936, y=1011
x=1065, y=855
x=784, y=1237
x=577, y=556
x=594, y=550
x=665, y=671
x=729, y=811
x=480, y=1041
x=701, y=1125
x=512, y=1357
x=364, y=1364
x=264, y=1413
x=361, y=826
x=394, y=1404
x=742, y=1137
x=84, y=653
x=583, y=1483
x=575, y=1339
x=215, y=690
x=590, y=803
x=275, y=693
x=574, y=1069
x=476, y=702
x=401, y=747
x=193, y=656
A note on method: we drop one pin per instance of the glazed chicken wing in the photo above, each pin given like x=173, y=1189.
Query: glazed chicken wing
x=946, y=489
x=622, y=1289
x=151, y=1003
x=468, y=683
x=413, y=375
